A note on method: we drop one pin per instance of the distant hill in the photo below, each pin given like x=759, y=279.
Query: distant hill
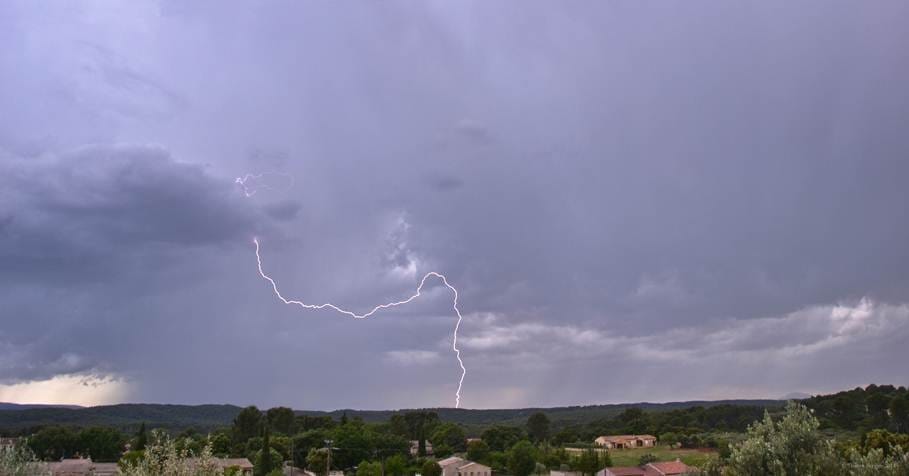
x=27, y=406
x=125, y=417
x=558, y=415
x=128, y=417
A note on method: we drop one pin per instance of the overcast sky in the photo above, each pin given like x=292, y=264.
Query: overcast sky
x=636, y=200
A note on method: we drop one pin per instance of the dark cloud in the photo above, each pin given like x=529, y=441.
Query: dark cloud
x=692, y=182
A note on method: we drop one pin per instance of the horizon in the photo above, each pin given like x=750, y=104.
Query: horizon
x=606, y=202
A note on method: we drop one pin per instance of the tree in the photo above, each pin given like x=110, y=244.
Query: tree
x=899, y=412
x=790, y=446
x=521, y=460
x=365, y=468
x=885, y=441
x=501, y=438
x=421, y=424
x=304, y=442
x=538, y=427
x=18, y=460
x=101, y=444
x=477, y=450
x=589, y=462
x=141, y=438
x=317, y=461
x=430, y=468
x=247, y=424
x=265, y=460
x=396, y=465
x=451, y=435
x=647, y=458
x=281, y=420
x=54, y=442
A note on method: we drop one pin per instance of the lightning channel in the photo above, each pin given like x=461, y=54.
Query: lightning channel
x=416, y=294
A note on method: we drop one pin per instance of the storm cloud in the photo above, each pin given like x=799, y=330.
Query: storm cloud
x=674, y=197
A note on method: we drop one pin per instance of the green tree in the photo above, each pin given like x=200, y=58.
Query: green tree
x=420, y=425
x=247, y=424
x=899, y=412
x=281, y=420
x=365, y=468
x=54, y=442
x=430, y=468
x=647, y=458
x=141, y=438
x=589, y=462
x=790, y=446
x=521, y=459
x=451, y=435
x=477, y=450
x=538, y=427
x=396, y=465
x=101, y=444
x=306, y=441
x=266, y=460
x=885, y=441
x=317, y=461
x=501, y=438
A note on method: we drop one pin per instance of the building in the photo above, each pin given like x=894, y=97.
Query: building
x=626, y=441
x=415, y=448
x=665, y=468
x=241, y=464
x=455, y=466
x=8, y=442
x=72, y=467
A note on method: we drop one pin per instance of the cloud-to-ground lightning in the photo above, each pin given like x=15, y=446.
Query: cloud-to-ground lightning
x=416, y=294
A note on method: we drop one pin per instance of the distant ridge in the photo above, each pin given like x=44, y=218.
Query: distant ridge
x=128, y=417
x=27, y=406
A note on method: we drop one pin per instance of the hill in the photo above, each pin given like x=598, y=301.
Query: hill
x=20, y=406
x=128, y=417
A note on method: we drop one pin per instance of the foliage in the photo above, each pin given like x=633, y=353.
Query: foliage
x=647, y=458
x=317, y=461
x=590, y=462
x=451, y=435
x=477, y=450
x=18, y=460
x=281, y=420
x=396, y=465
x=538, y=427
x=141, y=438
x=794, y=446
x=501, y=438
x=365, y=468
x=55, y=443
x=162, y=458
x=247, y=424
x=885, y=441
x=522, y=459
x=430, y=468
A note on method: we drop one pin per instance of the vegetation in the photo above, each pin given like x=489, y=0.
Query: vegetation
x=834, y=434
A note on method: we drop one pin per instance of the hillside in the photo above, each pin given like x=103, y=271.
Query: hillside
x=128, y=417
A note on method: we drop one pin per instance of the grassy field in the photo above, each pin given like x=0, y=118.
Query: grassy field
x=630, y=457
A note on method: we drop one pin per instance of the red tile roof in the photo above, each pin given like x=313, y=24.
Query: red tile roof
x=671, y=467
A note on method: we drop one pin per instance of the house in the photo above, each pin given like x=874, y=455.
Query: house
x=71, y=467
x=8, y=442
x=455, y=466
x=565, y=473
x=665, y=468
x=415, y=448
x=626, y=441
x=242, y=464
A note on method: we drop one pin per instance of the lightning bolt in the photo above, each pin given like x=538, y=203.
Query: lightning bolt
x=249, y=190
x=416, y=294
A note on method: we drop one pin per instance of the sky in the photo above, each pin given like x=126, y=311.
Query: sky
x=636, y=201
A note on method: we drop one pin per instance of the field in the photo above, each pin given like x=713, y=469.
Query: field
x=630, y=457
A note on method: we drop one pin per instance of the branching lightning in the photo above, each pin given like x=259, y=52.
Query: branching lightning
x=250, y=189
x=431, y=274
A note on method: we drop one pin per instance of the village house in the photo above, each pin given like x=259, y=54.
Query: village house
x=455, y=466
x=665, y=468
x=626, y=441
x=415, y=448
x=87, y=467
